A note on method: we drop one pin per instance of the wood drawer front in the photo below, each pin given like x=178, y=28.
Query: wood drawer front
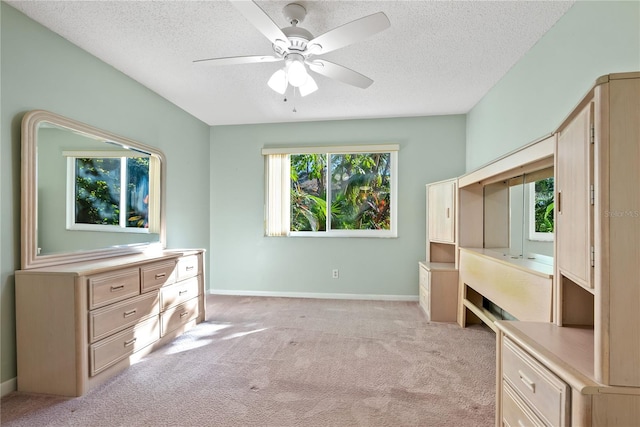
x=177, y=316
x=154, y=276
x=425, y=301
x=108, y=320
x=424, y=277
x=114, y=286
x=545, y=393
x=179, y=292
x=189, y=266
x=516, y=413
x=120, y=346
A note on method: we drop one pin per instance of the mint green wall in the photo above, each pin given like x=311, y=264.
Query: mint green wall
x=431, y=149
x=41, y=70
x=592, y=39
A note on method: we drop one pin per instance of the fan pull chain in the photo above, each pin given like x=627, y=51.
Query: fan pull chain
x=294, y=100
x=293, y=96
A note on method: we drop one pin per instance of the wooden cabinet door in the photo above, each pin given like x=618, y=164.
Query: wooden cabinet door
x=442, y=212
x=574, y=209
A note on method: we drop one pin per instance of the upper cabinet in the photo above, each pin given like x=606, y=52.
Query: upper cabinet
x=575, y=197
x=441, y=201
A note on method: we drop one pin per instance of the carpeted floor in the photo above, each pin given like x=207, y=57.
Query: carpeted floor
x=293, y=362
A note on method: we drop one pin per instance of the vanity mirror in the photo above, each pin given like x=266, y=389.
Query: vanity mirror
x=519, y=216
x=87, y=193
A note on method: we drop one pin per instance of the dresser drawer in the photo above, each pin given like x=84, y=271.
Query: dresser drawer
x=423, y=276
x=189, y=266
x=154, y=276
x=177, y=316
x=179, y=292
x=112, y=287
x=111, y=350
x=108, y=320
x=545, y=393
x=425, y=300
x=515, y=412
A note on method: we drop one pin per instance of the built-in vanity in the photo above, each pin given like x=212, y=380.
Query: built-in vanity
x=567, y=320
x=97, y=289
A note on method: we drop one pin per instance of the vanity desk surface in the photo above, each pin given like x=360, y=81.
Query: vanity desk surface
x=525, y=264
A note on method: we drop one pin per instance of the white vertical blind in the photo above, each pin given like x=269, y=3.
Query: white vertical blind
x=278, y=183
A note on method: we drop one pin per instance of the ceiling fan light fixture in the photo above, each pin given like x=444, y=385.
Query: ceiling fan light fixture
x=278, y=81
x=309, y=87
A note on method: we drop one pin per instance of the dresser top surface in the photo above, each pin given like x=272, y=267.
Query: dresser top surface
x=97, y=266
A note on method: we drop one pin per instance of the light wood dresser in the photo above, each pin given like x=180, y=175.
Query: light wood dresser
x=545, y=377
x=79, y=324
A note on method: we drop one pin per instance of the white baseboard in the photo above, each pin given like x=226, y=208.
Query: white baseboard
x=314, y=295
x=8, y=386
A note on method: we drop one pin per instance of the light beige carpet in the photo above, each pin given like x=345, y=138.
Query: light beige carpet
x=293, y=362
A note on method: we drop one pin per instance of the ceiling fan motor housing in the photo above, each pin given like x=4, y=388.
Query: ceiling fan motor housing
x=294, y=13
x=298, y=39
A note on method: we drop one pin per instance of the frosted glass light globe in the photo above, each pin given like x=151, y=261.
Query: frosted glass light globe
x=296, y=73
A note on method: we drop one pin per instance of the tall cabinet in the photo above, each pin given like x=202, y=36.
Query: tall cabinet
x=604, y=277
x=584, y=369
x=439, y=273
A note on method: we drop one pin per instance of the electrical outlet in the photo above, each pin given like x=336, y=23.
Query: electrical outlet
x=335, y=273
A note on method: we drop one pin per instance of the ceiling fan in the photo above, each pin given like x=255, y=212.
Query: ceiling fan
x=299, y=49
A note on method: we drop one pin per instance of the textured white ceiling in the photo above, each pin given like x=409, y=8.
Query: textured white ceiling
x=438, y=57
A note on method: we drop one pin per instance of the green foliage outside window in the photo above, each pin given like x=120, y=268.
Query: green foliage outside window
x=544, y=205
x=98, y=191
x=359, y=186
x=137, y=192
x=98, y=194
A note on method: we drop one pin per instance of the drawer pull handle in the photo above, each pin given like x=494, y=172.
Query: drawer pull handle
x=448, y=212
x=130, y=342
x=183, y=314
x=527, y=382
x=117, y=288
x=160, y=275
x=189, y=267
x=130, y=312
x=180, y=293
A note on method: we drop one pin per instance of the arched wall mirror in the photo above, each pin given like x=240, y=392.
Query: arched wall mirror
x=87, y=193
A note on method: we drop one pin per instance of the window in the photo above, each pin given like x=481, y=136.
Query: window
x=332, y=191
x=109, y=191
x=541, y=221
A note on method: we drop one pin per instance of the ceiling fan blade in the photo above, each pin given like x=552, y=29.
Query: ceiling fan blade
x=351, y=32
x=233, y=60
x=338, y=72
x=260, y=20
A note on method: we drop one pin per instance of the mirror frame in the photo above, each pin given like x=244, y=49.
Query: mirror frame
x=29, y=193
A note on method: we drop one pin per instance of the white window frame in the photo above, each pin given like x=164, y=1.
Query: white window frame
x=277, y=183
x=122, y=226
